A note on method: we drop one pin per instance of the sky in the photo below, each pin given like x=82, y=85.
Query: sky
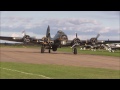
x=86, y=24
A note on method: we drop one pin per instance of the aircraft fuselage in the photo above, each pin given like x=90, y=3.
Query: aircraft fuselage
x=59, y=39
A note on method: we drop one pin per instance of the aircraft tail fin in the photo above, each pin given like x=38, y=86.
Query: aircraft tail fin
x=48, y=33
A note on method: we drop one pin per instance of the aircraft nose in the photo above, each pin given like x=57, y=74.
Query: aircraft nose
x=64, y=37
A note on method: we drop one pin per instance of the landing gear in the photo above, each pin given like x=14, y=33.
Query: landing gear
x=74, y=50
x=54, y=49
x=49, y=50
x=42, y=49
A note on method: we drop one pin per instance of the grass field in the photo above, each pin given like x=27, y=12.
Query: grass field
x=10, y=70
x=98, y=52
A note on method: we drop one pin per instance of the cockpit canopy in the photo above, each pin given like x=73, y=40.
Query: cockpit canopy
x=61, y=36
x=60, y=31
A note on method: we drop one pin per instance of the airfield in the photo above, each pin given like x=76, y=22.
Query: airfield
x=33, y=55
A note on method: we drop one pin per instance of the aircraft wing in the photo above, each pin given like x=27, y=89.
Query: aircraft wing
x=100, y=41
x=24, y=39
x=112, y=41
x=84, y=42
x=16, y=39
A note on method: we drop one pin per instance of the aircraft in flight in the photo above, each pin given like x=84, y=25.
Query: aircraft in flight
x=60, y=39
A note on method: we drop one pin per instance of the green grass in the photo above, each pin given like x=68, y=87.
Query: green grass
x=98, y=52
x=54, y=72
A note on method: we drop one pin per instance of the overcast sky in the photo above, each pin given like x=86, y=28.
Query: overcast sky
x=86, y=23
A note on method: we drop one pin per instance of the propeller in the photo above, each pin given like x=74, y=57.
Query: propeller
x=87, y=41
x=76, y=34
x=94, y=40
x=26, y=38
x=97, y=35
x=76, y=41
x=23, y=33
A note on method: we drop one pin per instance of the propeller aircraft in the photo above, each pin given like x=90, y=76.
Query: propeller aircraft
x=59, y=40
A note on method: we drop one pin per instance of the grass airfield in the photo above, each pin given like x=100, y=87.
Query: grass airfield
x=69, y=50
x=39, y=71
x=17, y=70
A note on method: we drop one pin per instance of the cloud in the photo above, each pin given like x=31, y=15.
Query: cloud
x=109, y=15
x=105, y=30
x=11, y=23
x=112, y=13
x=84, y=27
x=14, y=35
x=69, y=21
x=15, y=22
